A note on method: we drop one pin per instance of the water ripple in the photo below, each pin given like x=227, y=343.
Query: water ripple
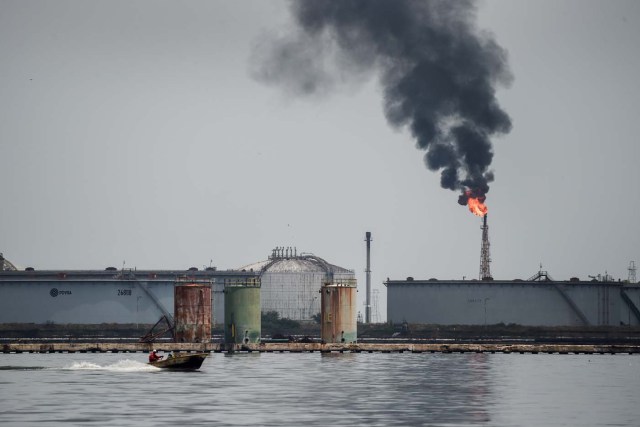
x=315, y=389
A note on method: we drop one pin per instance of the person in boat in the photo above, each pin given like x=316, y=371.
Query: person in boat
x=154, y=357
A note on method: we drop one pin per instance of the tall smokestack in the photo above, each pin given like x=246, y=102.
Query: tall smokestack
x=437, y=70
x=367, y=309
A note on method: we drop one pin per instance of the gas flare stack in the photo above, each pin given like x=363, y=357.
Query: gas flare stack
x=485, y=257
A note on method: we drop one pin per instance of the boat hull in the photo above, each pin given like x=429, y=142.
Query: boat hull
x=184, y=362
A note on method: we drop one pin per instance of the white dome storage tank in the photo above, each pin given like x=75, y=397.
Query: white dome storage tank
x=291, y=282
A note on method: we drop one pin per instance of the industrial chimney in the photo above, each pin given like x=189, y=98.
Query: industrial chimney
x=367, y=309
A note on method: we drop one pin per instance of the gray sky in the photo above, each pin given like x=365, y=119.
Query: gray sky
x=133, y=131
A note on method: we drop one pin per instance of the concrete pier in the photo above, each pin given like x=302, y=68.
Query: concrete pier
x=100, y=347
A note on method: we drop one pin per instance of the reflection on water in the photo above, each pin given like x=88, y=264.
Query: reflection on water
x=413, y=389
x=321, y=389
x=20, y=368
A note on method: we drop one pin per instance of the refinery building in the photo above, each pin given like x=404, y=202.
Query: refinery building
x=290, y=284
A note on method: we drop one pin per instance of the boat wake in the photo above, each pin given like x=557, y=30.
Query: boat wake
x=125, y=365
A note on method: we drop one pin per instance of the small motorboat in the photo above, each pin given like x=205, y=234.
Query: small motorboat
x=181, y=362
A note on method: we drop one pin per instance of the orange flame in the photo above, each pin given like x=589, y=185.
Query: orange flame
x=476, y=206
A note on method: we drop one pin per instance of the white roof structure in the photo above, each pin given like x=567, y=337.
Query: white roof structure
x=294, y=263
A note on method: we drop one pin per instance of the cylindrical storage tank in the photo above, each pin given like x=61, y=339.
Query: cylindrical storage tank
x=338, y=312
x=192, y=312
x=242, y=322
x=290, y=281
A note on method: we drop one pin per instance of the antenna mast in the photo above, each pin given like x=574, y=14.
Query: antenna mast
x=632, y=272
x=485, y=257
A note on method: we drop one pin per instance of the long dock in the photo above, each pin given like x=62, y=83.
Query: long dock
x=294, y=347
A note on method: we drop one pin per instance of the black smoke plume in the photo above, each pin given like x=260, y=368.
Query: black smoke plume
x=438, y=72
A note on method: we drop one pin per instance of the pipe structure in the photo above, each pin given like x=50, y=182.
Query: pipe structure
x=367, y=308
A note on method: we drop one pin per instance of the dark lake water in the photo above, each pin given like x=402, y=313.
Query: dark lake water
x=282, y=389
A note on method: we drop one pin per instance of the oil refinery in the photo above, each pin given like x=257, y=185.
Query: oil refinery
x=305, y=287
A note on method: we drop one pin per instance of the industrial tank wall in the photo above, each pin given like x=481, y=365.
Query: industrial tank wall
x=192, y=312
x=599, y=302
x=242, y=322
x=524, y=303
x=294, y=295
x=627, y=316
x=338, y=321
x=83, y=302
x=217, y=305
x=473, y=304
